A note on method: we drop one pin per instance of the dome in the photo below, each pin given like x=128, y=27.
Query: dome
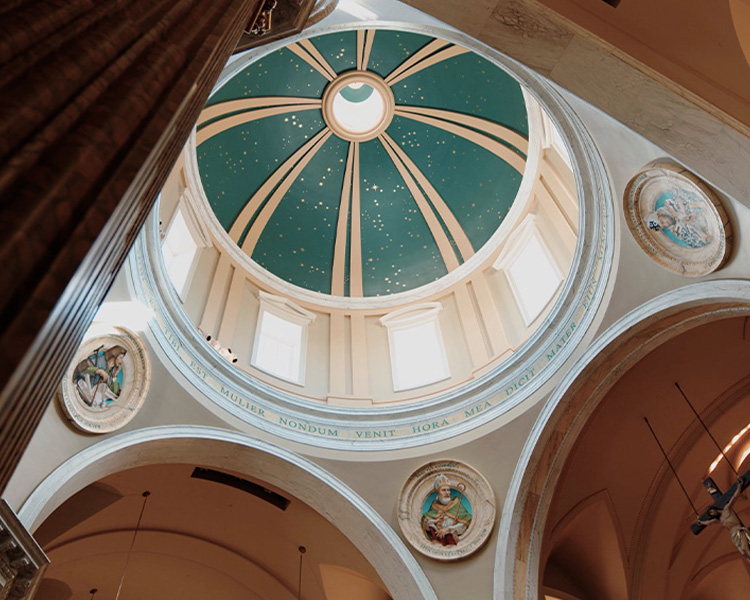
x=364, y=163
x=375, y=239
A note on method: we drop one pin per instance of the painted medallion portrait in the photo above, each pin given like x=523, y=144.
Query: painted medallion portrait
x=677, y=220
x=98, y=377
x=446, y=514
x=446, y=510
x=106, y=383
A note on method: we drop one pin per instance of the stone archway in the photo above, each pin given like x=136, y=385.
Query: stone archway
x=218, y=448
x=572, y=403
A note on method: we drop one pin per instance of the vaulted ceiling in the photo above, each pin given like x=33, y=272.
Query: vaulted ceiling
x=196, y=538
x=355, y=215
x=619, y=525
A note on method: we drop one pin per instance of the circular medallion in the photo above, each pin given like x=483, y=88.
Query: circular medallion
x=446, y=510
x=358, y=106
x=106, y=383
x=677, y=220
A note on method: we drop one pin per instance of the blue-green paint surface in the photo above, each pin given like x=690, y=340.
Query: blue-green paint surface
x=480, y=201
x=298, y=242
x=235, y=163
x=398, y=249
x=358, y=94
x=467, y=84
x=391, y=48
x=281, y=73
x=339, y=50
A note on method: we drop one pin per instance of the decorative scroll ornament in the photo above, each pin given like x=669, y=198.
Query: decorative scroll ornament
x=106, y=384
x=263, y=22
x=273, y=20
x=677, y=220
x=446, y=510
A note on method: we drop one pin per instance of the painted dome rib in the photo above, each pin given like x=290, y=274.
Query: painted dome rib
x=225, y=109
x=436, y=229
x=338, y=276
x=440, y=207
x=365, y=39
x=434, y=116
x=309, y=53
x=255, y=202
x=270, y=76
x=381, y=216
x=260, y=222
x=235, y=120
x=410, y=62
x=445, y=54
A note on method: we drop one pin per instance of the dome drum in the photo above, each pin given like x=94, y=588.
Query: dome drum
x=496, y=353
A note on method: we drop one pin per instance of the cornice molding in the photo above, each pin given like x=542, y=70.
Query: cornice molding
x=440, y=417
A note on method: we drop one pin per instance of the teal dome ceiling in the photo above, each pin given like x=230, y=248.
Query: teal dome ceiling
x=363, y=211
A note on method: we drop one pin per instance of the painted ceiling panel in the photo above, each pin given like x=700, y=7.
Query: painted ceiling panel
x=391, y=48
x=339, y=49
x=298, y=242
x=480, y=201
x=398, y=250
x=235, y=163
x=467, y=84
x=280, y=73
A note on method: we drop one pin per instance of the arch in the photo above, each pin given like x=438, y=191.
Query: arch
x=218, y=448
x=182, y=549
x=740, y=13
x=341, y=583
x=587, y=554
x=722, y=576
x=440, y=414
x=566, y=412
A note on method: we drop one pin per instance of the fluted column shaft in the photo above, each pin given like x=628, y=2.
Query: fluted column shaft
x=97, y=98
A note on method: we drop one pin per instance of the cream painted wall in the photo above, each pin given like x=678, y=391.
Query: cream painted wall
x=378, y=476
x=691, y=42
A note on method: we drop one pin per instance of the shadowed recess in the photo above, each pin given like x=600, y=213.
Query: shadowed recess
x=259, y=491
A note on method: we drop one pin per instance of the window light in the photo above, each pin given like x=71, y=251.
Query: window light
x=179, y=249
x=553, y=139
x=416, y=346
x=281, y=338
x=279, y=347
x=535, y=278
x=728, y=447
x=530, y=269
